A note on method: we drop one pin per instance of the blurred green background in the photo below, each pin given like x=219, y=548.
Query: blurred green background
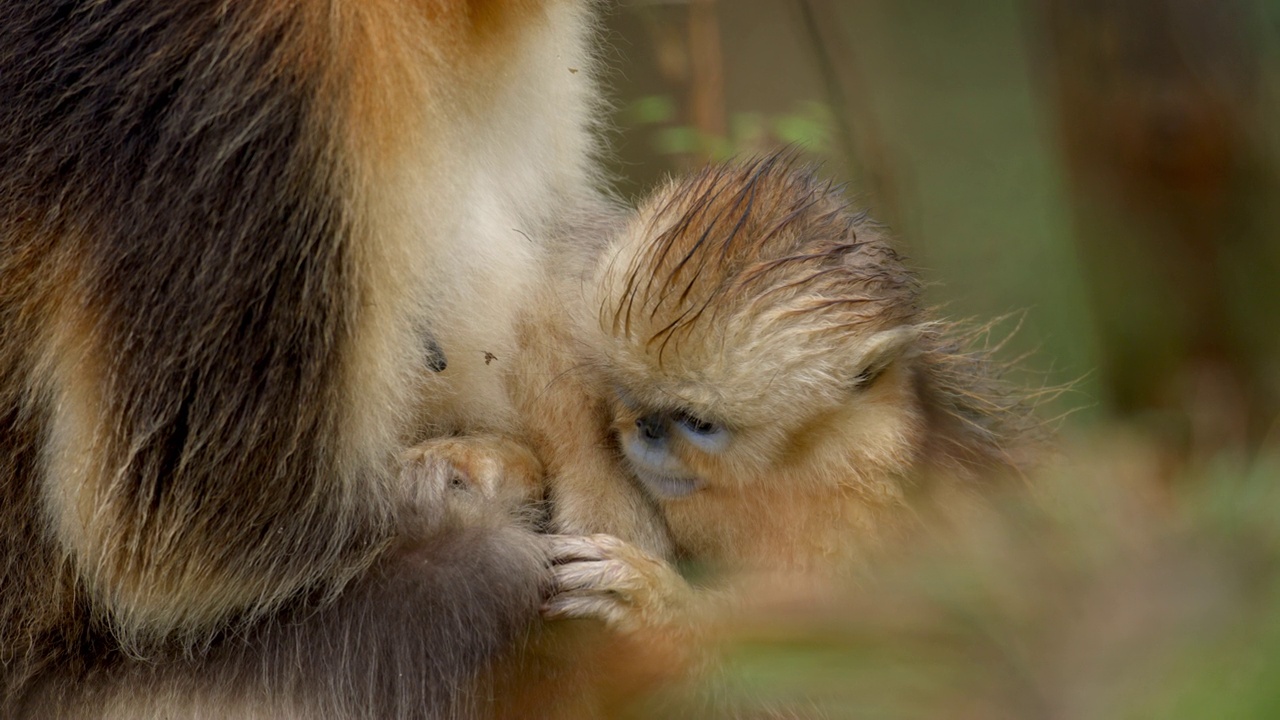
x=1103, y=172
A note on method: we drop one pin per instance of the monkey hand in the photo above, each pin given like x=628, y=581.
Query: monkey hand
x=632, y=592
x=477, y=471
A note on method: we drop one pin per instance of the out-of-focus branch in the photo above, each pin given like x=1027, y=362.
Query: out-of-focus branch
x=857, y=131
x=1156, y=104
x=706, y=83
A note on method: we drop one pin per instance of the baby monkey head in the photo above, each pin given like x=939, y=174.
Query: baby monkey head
x=757, y=333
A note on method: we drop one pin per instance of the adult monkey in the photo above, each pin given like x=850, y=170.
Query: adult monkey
x=235, y=240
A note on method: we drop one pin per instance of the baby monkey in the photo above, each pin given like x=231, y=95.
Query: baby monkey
x=745, y=377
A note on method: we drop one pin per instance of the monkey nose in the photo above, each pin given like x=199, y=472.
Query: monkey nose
x=652, y=428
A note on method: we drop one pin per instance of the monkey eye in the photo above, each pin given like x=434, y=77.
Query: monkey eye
x=696, y=424
x=868, y=376
x=703, y=434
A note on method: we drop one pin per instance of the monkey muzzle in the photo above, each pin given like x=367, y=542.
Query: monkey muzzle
x=648, y=450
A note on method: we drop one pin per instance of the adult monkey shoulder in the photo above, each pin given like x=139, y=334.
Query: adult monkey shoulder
x=225, y=238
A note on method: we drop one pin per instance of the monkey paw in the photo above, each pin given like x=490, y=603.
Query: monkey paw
x=601, y=577
x=488, y=468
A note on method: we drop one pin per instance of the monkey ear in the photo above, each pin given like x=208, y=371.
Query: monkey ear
x=880, y=350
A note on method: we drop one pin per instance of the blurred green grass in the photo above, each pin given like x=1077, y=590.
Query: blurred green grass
x=1110, y=597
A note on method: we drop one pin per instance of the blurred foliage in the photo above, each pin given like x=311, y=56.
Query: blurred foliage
x=1113, y=596
x=749, y=133
x=1110, y=598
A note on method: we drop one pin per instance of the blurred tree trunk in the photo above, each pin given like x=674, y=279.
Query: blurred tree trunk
x=857, y=130
x=706, y=82
x=1157, y=112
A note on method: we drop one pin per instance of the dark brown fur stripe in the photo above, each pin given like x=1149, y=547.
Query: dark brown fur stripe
x=178, y=142
x=186, y=153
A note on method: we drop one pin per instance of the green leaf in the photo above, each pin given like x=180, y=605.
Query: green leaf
x=676, y=140
x=652, y=110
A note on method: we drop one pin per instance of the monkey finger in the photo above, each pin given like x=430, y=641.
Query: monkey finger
x=602, y=576
x=586, y=607
x=577, y=548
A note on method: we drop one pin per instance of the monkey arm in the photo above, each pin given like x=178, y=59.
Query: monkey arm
x=588, y=488
x=589, y=493
x=415, y=637
x=653, y=631
x=481, y=476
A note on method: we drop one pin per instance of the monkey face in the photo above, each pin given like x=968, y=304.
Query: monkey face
x=708, y=433
x=657, y=442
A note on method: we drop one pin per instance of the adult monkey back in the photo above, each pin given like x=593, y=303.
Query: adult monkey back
x=234, y=237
